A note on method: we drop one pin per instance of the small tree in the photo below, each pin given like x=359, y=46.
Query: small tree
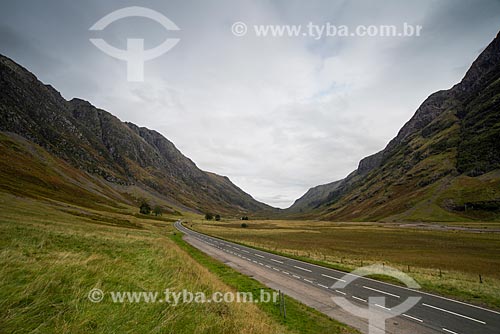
x=209, y=216
x=157, y=210
x=217, y=217
x=145, y=208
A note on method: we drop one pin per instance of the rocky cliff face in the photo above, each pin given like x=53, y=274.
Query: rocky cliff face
x=370, y=163
x=314, y=198
x=444, y=158
x=124, y=154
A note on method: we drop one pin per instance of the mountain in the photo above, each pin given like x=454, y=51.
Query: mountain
x=313, y=198
x=443, y=165
x=74, y=151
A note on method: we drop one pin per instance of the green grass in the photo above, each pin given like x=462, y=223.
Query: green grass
x=300, y=318
x=50, y=258
x=443, y=262
x=52, y=254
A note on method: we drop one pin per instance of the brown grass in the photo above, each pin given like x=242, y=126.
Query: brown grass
x=459, y=256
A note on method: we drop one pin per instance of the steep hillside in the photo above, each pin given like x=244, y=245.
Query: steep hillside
x=313, y=198
x=442, y=166
x=121, y=160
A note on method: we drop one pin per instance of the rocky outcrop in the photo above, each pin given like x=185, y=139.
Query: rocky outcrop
x=313, y=198
x=370, y=163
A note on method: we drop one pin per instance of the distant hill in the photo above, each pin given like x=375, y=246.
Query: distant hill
x=73, y=151
x=444, y=164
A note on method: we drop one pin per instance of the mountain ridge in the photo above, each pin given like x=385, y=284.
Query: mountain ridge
x=122, y=153
x=448, y=126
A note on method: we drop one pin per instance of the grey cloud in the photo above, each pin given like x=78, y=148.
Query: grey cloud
x=275, y=115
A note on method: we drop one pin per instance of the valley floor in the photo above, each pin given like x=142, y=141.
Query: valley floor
x=454, y=262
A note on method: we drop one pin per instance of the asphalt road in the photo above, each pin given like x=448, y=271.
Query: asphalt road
x=435, y=312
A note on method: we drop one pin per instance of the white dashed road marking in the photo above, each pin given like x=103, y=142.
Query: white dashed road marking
x=409, y=316
x=448, y=331
x=335, y=278
x=303, y=269
x=385, y=308
x=360, y=299
x=385, y=293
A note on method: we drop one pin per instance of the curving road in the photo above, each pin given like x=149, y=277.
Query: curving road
x=435, y=313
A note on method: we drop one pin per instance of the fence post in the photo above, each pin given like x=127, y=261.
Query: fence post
x=279, y=294
x=284, y=307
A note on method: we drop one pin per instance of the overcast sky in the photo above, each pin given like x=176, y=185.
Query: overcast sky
x=276, y=115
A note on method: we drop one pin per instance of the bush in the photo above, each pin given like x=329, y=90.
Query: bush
x=244, y=225
x=209, y=216
x=145, y=208
x=157, y=210
x=217, y=217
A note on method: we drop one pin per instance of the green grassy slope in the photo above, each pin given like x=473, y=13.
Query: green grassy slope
x=28, y=170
